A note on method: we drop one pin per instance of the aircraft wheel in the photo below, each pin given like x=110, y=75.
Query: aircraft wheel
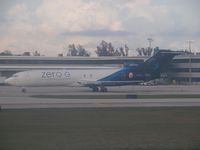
x=103, y=89
x=24, y=90
x=95, y=89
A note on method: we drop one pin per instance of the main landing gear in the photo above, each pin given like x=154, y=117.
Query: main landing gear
x=99, y=89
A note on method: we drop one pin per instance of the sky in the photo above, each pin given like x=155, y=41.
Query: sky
x=49, y=26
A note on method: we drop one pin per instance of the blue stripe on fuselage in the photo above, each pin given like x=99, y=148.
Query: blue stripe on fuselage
x=120, y=75
x=117, y=76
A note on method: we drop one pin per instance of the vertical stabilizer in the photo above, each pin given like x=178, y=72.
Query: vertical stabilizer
x=157, y=63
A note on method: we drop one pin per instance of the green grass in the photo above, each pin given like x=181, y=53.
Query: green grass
x=122, y=96
x=100, y=129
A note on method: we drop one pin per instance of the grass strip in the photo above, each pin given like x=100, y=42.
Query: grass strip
x=100, y=129
x=113, y=96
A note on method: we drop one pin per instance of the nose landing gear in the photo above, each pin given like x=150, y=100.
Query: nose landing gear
x=23, y=90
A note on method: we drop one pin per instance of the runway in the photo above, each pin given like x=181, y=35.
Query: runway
x=50, y=97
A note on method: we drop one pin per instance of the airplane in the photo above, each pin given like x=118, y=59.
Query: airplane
x=96, y=78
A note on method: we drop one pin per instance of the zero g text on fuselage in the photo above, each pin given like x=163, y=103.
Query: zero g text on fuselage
x=55, y=74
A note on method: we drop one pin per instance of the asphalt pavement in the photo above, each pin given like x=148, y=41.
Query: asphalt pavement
x=62, y=97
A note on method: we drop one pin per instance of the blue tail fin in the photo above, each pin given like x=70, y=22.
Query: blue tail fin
x=145, y=71
x=157, y=63
x=160, y=60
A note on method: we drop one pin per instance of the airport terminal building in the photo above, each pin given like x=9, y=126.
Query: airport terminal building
x=12, y=64
x=185, y=69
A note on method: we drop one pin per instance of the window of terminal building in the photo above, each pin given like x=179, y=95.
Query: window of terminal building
x=67, y=61
x=180, y=61
x=195, y=60
x=180, y=69
x=195, y=79
x=195, y=69
x=182, y=79
x=8, y=73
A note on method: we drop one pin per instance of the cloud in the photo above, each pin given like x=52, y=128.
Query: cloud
x=77, y=15
x=19, y=8
x=49, y=25
x=99, y=33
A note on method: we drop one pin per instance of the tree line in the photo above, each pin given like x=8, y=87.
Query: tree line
x=103, y=49
x=9, y=53
x=107, y=49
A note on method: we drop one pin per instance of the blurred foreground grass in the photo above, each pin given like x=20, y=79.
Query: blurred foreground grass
x=100, y=129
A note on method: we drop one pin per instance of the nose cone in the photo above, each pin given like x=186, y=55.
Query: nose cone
x=11, y=81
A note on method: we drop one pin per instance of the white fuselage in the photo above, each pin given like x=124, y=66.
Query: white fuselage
x=60, y=77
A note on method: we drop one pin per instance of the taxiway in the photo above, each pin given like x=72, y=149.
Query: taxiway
x=50, y=97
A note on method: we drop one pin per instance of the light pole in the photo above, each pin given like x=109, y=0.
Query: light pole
x=190, y=60
x=190, y=45
x=150, y=40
